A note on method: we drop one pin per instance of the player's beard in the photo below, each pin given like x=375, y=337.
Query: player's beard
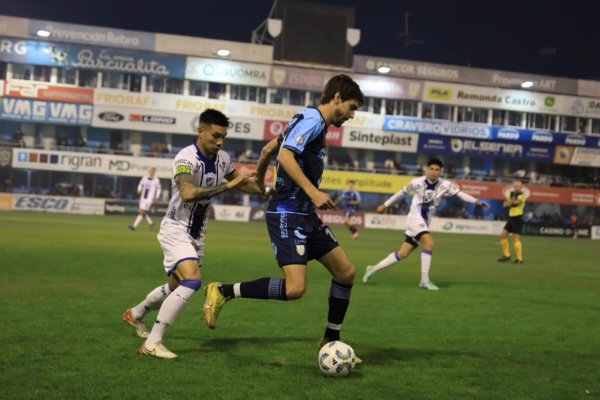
x=338, y=122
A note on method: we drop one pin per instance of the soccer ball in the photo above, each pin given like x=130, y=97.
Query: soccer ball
x=336, y=359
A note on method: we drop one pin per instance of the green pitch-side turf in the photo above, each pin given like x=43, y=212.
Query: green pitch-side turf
x=493, y=331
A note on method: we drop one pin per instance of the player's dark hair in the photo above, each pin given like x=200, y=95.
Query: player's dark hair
x=351, y=181
x=435, y=161
x=214, y=117
x=348, y=89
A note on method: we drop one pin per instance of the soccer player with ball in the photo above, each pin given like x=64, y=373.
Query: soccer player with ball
x=297, y=233
x=428, y=192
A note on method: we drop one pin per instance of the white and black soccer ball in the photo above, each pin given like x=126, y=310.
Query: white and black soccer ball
x=336, y=359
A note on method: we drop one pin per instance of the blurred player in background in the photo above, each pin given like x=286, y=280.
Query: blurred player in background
x=297, y=233
x=350, y=200
x=515, y=202
x=428, y=192
x=199, y=173
x=149, y=191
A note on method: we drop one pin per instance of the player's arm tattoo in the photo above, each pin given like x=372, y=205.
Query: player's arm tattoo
x=190, y=192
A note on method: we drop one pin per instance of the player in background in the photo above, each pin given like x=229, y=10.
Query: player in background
x=350, y=200
x=149, y=191
x=515, y=202
x=428, y=192
x=297, y=234
x=199, y=173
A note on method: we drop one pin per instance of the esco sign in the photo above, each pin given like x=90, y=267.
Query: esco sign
x=42, y=203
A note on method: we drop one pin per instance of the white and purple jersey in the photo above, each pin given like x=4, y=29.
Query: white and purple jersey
x=193, y=215
x=149, y=188
x=427, y=196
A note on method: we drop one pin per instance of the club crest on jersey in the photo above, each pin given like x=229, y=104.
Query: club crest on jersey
x=210, y=180
x=429, y=195
x=300, y=140
x=300, y=249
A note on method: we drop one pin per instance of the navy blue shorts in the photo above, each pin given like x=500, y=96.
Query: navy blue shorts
x=350, y=212
x=514, y=225
x=297, y=238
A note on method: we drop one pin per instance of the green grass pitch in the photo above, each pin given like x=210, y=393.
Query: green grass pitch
x=493, y=331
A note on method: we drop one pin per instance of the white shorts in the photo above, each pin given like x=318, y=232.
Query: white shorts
x=415, y=224
x=177, y=245
x=145, y=204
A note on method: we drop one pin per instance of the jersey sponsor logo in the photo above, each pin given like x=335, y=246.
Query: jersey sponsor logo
x=298, y=234
x=183, y=169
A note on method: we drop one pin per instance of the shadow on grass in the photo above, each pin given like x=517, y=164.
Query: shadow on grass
x=225, y=344
x=384, y=356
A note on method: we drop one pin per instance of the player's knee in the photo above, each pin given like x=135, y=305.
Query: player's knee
x=294, y=292
x=427, y=243
x=194, y=284
x=346, y=275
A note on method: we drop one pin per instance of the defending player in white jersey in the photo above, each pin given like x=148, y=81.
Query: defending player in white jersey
x=428, y=192
x=200, y=171
x=149, y=191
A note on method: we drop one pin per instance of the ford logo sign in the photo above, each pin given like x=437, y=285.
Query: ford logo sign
x=111, y=116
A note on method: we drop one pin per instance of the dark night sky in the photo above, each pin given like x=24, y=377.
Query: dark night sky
x=558, y=38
